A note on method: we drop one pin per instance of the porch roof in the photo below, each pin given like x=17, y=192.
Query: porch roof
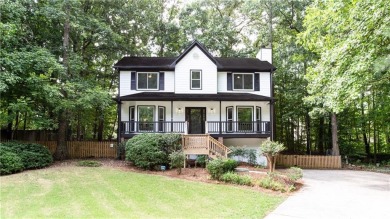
x=168, y=96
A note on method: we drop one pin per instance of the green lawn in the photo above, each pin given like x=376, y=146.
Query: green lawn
x=103, y=192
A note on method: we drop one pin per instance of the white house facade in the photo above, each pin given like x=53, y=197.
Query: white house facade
x=196, y=93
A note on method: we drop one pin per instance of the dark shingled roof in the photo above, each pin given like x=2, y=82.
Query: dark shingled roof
x=163, y=63
x=167, y=96
x=243, y=64
x=223, y=64
x=168, y=64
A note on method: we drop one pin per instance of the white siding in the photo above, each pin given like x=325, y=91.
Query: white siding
x=196, y=59
x=222, y=81
x=169, y=82
x=125, y=83
x=265, y=84
x=265, y=54
x=249, y=143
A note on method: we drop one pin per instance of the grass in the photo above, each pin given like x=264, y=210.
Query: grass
x=103, y=192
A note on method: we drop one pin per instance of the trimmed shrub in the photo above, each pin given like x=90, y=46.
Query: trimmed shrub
x=269, y=182
x=294, y=174
x=88, y=163
x=150, y=150
x=9, y=162
x=32, y=155
x=231, y=177
x=229, y=165
x=218, y=167
x=177, y=160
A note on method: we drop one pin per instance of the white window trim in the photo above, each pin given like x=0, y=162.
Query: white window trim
x=158, y=80
x=253, y=81
x=200, y=79
x=246, y=107
x=138, y=111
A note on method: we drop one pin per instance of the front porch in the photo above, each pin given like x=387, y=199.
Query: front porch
x=214, y=128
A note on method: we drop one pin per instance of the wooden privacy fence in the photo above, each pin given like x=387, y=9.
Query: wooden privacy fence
x=85, y=149
x=310, y=161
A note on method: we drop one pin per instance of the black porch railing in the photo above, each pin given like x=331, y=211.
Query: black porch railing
x=239, y=127
x=212, y=127
x=152, y=127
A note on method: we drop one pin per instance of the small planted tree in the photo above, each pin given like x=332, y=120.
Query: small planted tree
x=271, y=149
x=177, y=160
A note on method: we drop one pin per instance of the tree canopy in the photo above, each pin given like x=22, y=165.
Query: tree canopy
x=332, y=60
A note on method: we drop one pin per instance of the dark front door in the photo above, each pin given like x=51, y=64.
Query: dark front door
x=196, y=117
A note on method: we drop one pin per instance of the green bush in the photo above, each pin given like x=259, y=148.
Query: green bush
x=32, y=155
x=9, y=162
x=231, y=177
x=177, y=160
x=200, y=160
x=294, y=174
x=229, y=165
x=150, y=150
x=88, y=163
x=215, y=168
x=218, y=167
x=269, y=182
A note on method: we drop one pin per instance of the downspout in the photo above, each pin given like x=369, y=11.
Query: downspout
x=119, y=108
x=272, y=109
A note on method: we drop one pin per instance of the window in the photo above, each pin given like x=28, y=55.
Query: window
x=132, y=118
x=229, y=119
x=147, y=81
x=244, y=118
x=161, y=118
x=258, y=119
x=243, y=81
x=196, y=79
x=146, y=118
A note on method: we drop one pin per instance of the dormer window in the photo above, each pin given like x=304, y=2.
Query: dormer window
x=196, y=80
x=242, y=81
x=147, y=81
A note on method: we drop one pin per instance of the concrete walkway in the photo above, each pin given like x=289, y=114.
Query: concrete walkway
x=338, y=194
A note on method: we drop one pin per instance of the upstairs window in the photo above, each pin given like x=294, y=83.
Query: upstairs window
x=196, y=79
x=147, y=81
x=242, y=81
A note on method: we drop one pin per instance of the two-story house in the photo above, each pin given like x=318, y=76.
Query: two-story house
x=197, y=93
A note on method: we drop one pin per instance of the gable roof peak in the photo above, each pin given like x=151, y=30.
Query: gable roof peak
x=190, y=47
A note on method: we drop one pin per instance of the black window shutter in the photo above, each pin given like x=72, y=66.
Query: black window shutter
x=257, y=82
x=229, y=81
x=133, y=80
x=161, y=82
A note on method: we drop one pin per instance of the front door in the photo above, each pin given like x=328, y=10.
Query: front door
x=196, y=117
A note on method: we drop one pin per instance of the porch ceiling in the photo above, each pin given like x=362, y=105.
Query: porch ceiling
x=168, y=96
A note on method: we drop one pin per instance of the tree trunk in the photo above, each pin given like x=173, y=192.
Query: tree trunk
x=364, y=131
x=9, y=126
x=335, y=145
x=100, y=127
x=61, y=152
x=308, y=138
x=320, y=137
x=16, y=126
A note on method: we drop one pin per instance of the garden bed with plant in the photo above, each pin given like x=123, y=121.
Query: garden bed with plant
x=158, y=154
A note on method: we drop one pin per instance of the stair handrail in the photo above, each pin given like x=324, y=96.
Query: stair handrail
x=218, y=145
